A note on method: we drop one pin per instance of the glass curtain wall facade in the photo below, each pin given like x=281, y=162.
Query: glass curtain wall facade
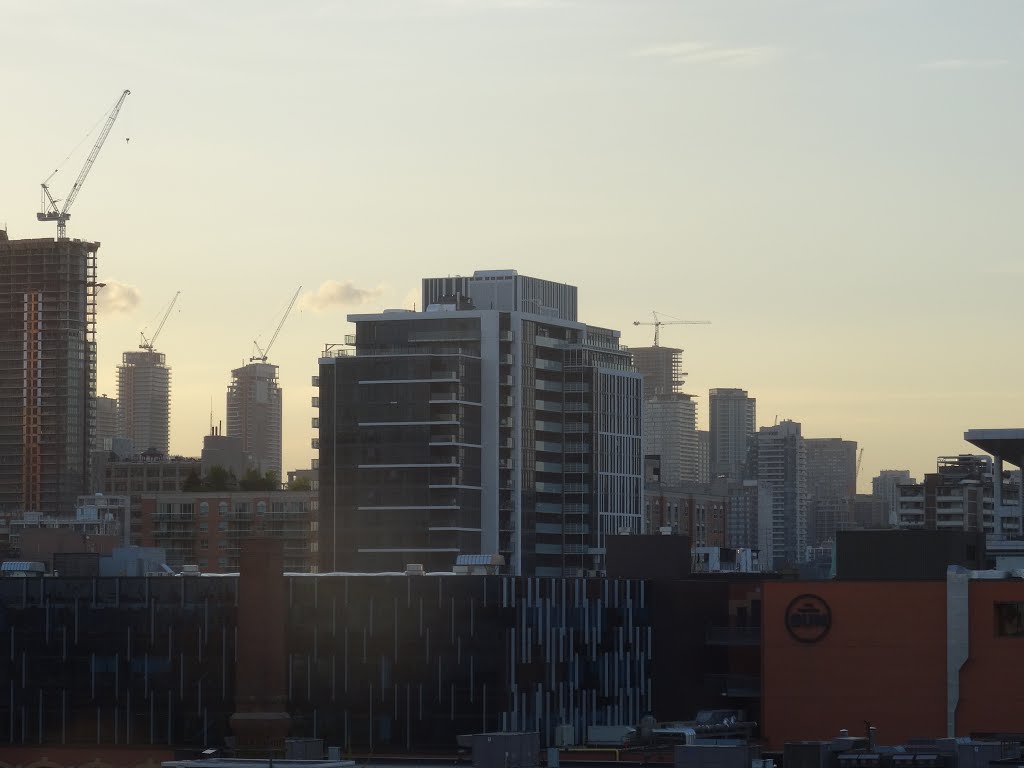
x=388, y=663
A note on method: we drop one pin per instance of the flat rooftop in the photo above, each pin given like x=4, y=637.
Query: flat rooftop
x=235, y=762
x=1006, y=444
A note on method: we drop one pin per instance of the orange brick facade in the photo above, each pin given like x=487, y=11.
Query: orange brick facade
x=883, y=660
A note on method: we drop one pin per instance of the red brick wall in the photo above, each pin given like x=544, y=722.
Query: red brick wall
x=992, y=680
x=884, y=661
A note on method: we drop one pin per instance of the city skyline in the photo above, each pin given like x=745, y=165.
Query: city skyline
x=818, y=185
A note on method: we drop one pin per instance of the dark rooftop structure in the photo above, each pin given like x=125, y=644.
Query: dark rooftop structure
x=892, y=554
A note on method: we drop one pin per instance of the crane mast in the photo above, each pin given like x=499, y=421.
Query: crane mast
x=149, y=344
x=261, y=354
x=49, y=210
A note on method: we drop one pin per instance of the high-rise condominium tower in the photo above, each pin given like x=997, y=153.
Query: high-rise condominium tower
x=732, y=425
x=782, y=467
x=254, y=414
x=47, y=372
x=491, y=423
x=831, y=486
x=144, y=400
x=670, y=415
x=106, y=423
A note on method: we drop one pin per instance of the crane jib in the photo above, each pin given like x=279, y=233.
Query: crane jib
x=49, y=210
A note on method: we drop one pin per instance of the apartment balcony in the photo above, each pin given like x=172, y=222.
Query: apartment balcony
x=735, y=686
x=733, y=636
x=432, y=336
x=550, y=343
x=547, y=365
x=167, y=516
x=547, y=426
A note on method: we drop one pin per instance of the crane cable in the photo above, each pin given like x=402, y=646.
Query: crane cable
x=74, y=149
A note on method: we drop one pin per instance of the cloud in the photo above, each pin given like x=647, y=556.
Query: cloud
x=696, y=52
x=964, y=64
x=116, y=297
x=331, y=294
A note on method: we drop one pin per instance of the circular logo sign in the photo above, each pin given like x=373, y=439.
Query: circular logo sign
x=808, y=618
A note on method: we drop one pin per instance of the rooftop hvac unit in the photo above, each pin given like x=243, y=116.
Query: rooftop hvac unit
x=414, y=569
x=304, y=749
x=565, y=736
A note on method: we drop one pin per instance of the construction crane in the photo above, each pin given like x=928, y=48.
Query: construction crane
x=148, y=344
x=658, y=322
x=48, y=205
x=856, y=474
x=261, y=354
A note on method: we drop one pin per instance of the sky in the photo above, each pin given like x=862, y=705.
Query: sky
x=831, y=183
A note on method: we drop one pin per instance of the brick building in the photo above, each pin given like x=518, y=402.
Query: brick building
x=207, y=529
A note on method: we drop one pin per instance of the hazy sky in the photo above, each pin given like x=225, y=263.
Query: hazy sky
x=835, y=185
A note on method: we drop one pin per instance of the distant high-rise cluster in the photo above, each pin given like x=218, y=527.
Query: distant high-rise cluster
x=492, y=428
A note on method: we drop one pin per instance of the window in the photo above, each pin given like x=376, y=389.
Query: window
x=261, y=508
x=204, y=543
x=203, y=527
x=222, y=508
x=1010, y=619
x=204, y=509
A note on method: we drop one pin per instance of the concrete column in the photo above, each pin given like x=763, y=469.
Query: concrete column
x=261, y=721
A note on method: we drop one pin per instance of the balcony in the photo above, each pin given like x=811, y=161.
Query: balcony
x=733, y=636
x=735, y=686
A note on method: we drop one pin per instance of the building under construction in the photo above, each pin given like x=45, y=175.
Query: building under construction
x=47, y=372
x=254, y=413
x=144, y=400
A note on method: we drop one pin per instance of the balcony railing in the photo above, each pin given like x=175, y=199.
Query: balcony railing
x=734, y=636
x=737, y=686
